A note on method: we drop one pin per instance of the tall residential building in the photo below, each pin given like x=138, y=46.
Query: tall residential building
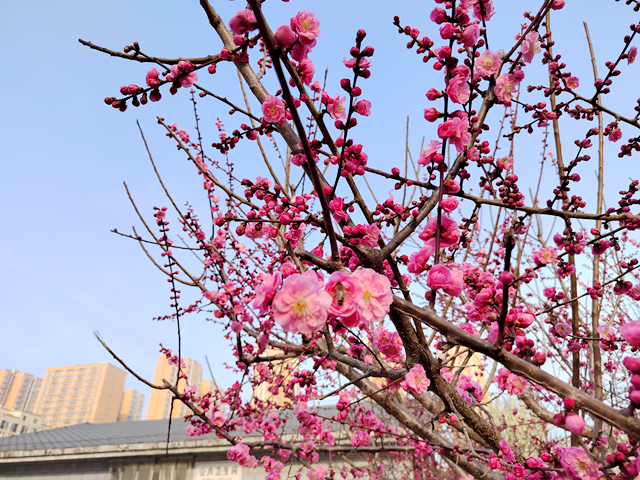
x=18, y=390
x=266, y=391
x=131, y=408
x=160, y=400
x=208, y=386
x=81, y=393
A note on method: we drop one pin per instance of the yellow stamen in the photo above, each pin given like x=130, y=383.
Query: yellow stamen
x=300, y=307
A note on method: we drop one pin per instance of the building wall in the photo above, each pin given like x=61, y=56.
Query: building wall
x=191, y=467
x=131, y=408
x=18, y=390
x=160, y=400
x=81, y=393
x=14, y=422
x=6, y=379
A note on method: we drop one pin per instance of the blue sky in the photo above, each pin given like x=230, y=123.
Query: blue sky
x=65, y=154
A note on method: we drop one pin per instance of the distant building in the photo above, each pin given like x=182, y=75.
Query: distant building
x=81, y=393
x=160, y=400
x=15, y=422
x=18, y=390
x=137, y=451
x=208, y=386
x=131, y=407
x=284, y=369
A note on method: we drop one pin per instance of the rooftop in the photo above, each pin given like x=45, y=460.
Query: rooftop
x=122, y=433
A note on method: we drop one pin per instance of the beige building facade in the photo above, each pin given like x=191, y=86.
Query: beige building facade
x=18, y=390
x=81, y=393
x=15, y=422
x=131, y=407
x=160, y=400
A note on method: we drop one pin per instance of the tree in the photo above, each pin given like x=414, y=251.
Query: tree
x=397, y=310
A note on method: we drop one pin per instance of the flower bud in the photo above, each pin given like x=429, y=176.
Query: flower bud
x=285, y=37
x=438, y=15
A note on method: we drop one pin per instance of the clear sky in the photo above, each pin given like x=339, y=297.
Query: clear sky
x=64, y=154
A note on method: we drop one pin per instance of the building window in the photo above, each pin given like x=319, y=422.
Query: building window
x=3, y=424
x=14, y=427
x=23, y=429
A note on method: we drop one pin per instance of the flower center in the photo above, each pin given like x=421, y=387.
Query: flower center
x=367, y=295
x=300, y=307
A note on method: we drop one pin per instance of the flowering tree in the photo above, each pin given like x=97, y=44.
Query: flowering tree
x=412, y=316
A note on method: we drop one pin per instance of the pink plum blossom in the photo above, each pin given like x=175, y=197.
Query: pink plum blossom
x=606, y=333
x=376, y=294
x=505, y=163
x=152, y=77
x=615, y=135
x=631, y=364
x=535, y=462
x=363, y=107
x=242, y=22
x=306, y=25
x=631, y=333
x=337, y=207
x=273, y=109
x=370, y=238
x=345, y=290
x=449, y=204
x=265, y=291
x=506, y=85
x=456, y=129
x=458, y=89
x=531, y=46
x=417, y=379
x=574, y=423
x=336, y=109
x=240, y=453
x=306, y=70
x=389, y=343
x=184, y=74
x=515, y=384
x=440, y=277
x=438, y=15
x=285, y=37
x=545, y=256
x=562, y=329
x=449, y=232
x=418, y=260
x=317, y=473
x=633, y=52
x=361, y=439
x=446, y=31
x=578, y=465
x=301, y=305
x=426, y=156
x=483, y=9
x=470, y=35
x=488, y=63
x=451, y=186
x=573, y=83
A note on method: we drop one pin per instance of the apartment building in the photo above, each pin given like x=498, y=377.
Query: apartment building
x=131, y=408
x=160, y=400
x=16, y=422
x=18, y=390
x=81, y=393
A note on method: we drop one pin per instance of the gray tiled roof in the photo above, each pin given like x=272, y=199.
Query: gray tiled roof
x=89, y=435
